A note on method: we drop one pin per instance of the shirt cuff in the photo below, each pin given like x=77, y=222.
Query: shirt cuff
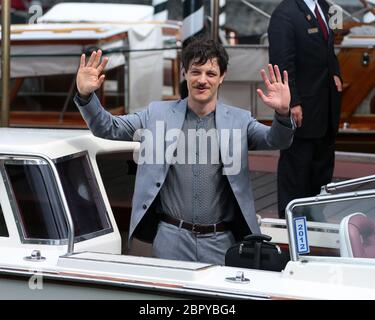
x=81, y=101
x=286, y=121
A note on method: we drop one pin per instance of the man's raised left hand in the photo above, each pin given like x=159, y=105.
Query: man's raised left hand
x=278, y=93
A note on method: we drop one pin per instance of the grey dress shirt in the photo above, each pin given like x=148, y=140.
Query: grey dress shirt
x=194, y=192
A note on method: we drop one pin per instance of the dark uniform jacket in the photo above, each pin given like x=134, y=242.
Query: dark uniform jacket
x=298, y=46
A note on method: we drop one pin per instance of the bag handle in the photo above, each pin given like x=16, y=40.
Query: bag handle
x=257, y=252
x=258, y=237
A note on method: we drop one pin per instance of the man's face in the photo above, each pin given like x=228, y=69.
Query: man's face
x=203, y=81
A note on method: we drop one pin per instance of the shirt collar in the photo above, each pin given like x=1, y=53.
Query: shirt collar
x=191, y=114
x=311, y=4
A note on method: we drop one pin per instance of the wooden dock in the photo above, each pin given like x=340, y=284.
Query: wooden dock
x=263, y=168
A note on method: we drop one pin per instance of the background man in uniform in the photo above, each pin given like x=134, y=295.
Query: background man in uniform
x=301, y=42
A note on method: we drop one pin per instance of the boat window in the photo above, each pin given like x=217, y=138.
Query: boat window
x=82, y=194
x=39, y=210
x=3, y=226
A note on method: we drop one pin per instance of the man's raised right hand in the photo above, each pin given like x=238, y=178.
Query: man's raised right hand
x=89, y=77
x=297, y=115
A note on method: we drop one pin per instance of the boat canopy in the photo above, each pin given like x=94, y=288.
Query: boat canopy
x=98, y=12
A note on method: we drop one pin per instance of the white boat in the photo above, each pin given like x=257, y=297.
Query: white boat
x=58, y=233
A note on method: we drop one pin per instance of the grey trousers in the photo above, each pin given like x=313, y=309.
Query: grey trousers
x=172, y=242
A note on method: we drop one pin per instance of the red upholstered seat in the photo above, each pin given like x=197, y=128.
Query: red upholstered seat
x=357, y=236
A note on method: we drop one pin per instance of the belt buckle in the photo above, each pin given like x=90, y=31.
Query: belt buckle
x=193, y=229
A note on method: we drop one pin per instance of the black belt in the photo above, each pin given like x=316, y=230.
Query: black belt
x=195, y=228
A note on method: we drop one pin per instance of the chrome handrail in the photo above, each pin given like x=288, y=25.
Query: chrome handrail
x=62, y=197
x=334, y=186
x=265, y=14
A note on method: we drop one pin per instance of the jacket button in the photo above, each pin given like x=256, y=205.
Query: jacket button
x=158, y=184
x=144, y=207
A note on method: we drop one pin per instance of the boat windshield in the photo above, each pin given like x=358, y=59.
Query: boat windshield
x=38, y=205
x=333, y=212
x=336, y=225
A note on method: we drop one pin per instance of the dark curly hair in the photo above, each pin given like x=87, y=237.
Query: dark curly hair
x=200, y=50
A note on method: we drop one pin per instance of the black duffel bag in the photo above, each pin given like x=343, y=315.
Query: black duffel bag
x=257, y=252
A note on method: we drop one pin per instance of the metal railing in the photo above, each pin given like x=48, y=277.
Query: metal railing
x=327, y=189
x=263, y=13
x=5, y=63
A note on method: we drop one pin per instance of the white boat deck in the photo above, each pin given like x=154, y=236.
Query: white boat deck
x=299, y=279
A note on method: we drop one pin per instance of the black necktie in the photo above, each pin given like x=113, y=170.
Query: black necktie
x=321, y=22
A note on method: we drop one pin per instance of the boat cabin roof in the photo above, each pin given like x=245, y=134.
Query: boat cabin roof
x=31, y=137
x=56, y=143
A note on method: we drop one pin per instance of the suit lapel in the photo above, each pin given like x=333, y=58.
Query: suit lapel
x=175, y=120
x=176, y=115
x=325, y=8
x=223, y=120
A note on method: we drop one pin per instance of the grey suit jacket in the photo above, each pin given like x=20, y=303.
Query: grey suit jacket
x=150, y=177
